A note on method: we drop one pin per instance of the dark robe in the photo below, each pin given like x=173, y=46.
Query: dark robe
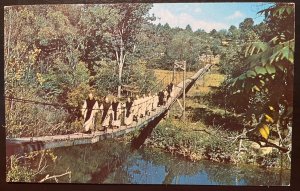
x=169, y=89
x=106, y=106
x=160, y=98
x=128, y=107
x=89, y=105
x=115, y=109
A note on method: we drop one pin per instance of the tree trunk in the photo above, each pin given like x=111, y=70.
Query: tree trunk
x=120, y=78
x=120, y=60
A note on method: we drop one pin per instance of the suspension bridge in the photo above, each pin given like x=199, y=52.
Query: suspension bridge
x=29, y=144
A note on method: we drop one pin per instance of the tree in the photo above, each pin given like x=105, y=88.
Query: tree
x=167, y=26
x=268, y=79
x=188, y=28
x=185, y=46
x=123, y=33
x=222, y=34
x=213, y=33
x=247, y=24
x=234, y=32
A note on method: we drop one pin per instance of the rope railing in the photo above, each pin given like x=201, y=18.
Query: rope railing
x=10, y=98
x=21, y=100
x=136, y=108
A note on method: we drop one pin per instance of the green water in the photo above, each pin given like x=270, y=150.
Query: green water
x=113, y=162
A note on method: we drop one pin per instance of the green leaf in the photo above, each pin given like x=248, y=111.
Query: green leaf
x=285, y=53
x=289, y=10
x=253, y=59
x=281, y=10
x=270, y=69
x=260, y=70
x=250, y=73
x=242, y=77
x=291, y=57
x=256, y=46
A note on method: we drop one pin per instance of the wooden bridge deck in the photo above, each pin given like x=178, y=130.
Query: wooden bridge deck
x=29, y=144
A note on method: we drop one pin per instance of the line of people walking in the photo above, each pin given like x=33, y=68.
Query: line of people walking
x=112, y=113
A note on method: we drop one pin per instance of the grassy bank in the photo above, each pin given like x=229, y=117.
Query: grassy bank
x=192, y=140
x=197, y=141
x=208, y=133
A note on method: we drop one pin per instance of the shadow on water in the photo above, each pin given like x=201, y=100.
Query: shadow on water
x=137, y=142
x=103, y=171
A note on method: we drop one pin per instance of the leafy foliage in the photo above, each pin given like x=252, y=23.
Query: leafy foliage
x=270, y=72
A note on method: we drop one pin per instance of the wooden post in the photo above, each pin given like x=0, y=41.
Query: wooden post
x=174, y=70
x=184, y=76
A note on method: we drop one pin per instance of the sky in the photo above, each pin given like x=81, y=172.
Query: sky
x=207, y=16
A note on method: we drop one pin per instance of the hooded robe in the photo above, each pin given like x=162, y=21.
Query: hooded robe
x=89, y=110
x=128, y=113
x=106, y=114
x=116, y=109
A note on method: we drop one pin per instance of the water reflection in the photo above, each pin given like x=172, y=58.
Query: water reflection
x=112, y=162
x=151, y=166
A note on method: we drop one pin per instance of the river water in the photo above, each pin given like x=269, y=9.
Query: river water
x=113, y=162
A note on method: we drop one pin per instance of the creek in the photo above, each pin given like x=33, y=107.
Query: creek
x=114, y=162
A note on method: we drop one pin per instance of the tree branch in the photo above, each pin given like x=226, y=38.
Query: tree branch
x=54, y=177
x=268, y=144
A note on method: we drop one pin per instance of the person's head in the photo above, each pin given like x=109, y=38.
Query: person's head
x=128, y=99
x=91, y=96
x=115, y=100
x=106, y=99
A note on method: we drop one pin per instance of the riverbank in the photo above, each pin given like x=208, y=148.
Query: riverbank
x=196, y=142
x=210, y=132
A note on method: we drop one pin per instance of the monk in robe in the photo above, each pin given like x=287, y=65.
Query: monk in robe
x=155, y=102
x=135, y=108
x=123, y=112
x=106, y=114
x=128, y=112
x=160, y=98
x=89, y=110
x=99, y=115
x=165, y=97
x=169, y=90
x=149, y=104
x=116, y=109
x=144, y=105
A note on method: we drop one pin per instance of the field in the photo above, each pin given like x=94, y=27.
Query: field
x=202, y=86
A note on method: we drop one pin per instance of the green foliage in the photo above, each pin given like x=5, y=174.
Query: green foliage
x=18, y=173
x=279, y=18
x=192, y=141
x=247, y=24
x=28, y=167
x=270, y=72
x=58, y=53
